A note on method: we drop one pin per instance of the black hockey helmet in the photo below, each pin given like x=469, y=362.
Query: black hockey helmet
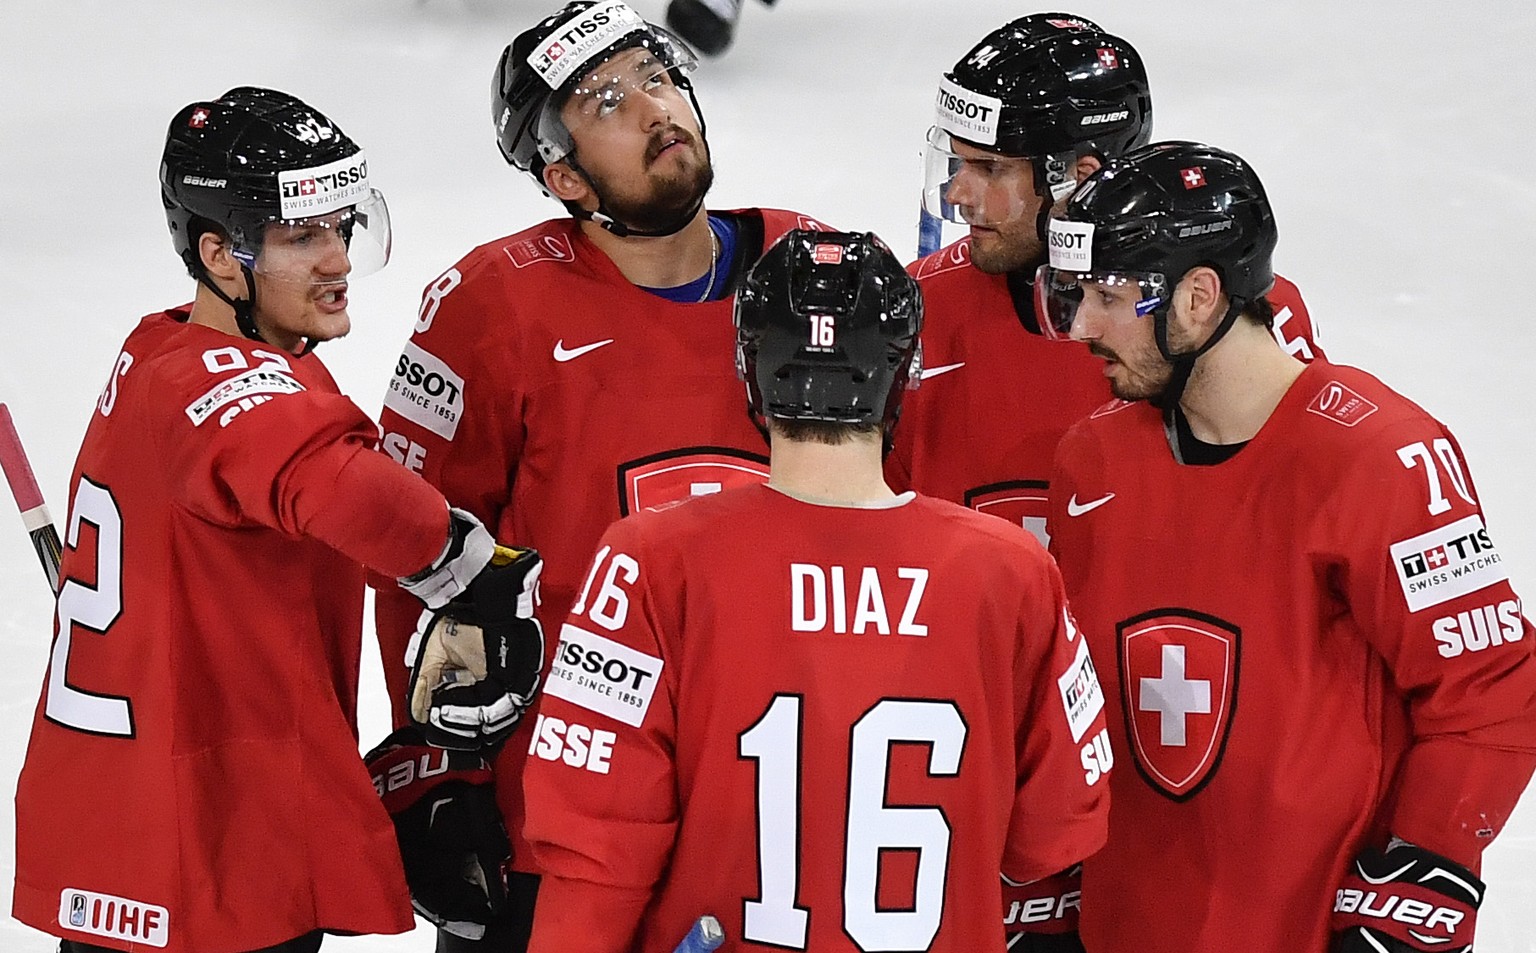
x=1049, y=87
x=258, y=157
x=1150, y=217
x=1048, y=84
x=540, y=69
x=826, y=329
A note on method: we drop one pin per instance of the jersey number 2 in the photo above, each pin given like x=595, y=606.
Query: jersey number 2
x=90, y=608
x=774, y=743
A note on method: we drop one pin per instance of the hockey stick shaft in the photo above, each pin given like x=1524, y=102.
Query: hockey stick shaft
x=705, y=936
x=29, y=499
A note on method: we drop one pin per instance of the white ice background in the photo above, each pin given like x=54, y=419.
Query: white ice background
x=1395, y=140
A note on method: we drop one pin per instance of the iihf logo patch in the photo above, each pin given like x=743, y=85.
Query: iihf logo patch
x=77, y=910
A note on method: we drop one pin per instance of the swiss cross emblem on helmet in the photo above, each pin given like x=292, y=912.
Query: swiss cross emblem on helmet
x=1178, y=685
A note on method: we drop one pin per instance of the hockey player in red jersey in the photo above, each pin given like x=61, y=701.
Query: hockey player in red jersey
x=192, y=783
x=1032, y=109
x=1322, y=684
x=581, y=370
x=835, y=735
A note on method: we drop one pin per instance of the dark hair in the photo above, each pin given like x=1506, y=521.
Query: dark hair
x=1260, y=312
x=828, y=432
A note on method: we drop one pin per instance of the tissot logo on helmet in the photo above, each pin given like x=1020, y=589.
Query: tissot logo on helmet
x=966, y=114
x=581, y=38
x=307, y=192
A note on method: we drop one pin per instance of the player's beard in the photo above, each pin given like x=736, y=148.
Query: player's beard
x=671, y=194
x=1144, y=373
x=1011, y=247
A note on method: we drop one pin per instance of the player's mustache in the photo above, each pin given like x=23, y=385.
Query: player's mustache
x=1099, y=350
x=662, y=137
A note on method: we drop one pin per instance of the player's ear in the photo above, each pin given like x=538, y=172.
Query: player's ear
x=564, y=184
x=1201, y=302
x=1086, y=166
x=214, y=250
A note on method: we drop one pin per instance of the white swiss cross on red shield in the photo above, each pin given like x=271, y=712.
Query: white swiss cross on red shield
x=1193, y=177
x=1021, y=502
x=1178, y=686
x=1108, y=58
x=655, y=481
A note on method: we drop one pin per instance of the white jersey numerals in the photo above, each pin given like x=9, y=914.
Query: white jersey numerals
x=1417, y=455
x=94, y=609
x=774, y=742
x=610, y=607
x=432, y=298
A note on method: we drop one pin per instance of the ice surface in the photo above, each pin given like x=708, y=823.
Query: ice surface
x=1394, y=142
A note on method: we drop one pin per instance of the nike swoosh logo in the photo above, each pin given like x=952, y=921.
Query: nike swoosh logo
x=1075, y=508
x=928, y=372
x=562, y=354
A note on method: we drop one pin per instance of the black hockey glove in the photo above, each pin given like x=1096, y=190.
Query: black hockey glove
x=468, y=550
x=452, y=842
x=1041, y=916
x=475, y=661
x=1405, y=900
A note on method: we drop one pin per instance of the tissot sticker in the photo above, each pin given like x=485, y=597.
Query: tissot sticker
x=1447, y=562
x=259, y=380
x=426, y=391
x=596, y=673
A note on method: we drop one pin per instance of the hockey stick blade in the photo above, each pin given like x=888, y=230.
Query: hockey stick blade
x=29, y=499
x=705, y=936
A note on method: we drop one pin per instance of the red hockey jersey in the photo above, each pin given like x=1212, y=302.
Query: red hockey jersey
x=193, y=780
x=549, y=396
x=995, y=396
x=1308, y=647
x=832, y=736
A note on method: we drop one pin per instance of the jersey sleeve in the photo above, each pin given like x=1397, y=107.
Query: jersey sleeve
x=1431, y=593
x=1061, y=802
x=453, y=414
x=600, y=782
x=253, y=445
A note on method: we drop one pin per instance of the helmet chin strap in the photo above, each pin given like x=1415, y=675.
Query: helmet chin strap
x=602, y=216
x=245, y=308
x=1184, y=362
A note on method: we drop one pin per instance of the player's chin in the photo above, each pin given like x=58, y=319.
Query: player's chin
x=330, y=327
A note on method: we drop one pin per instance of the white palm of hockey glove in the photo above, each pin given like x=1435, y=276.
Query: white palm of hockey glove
x=475, y=662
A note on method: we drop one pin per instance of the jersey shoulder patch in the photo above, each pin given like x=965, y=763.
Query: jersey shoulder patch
x=948, y=258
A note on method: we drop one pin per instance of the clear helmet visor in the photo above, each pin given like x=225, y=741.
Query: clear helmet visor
x=1063, y=298
x=643, y=76
x=322, y=249
x=980, y=188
